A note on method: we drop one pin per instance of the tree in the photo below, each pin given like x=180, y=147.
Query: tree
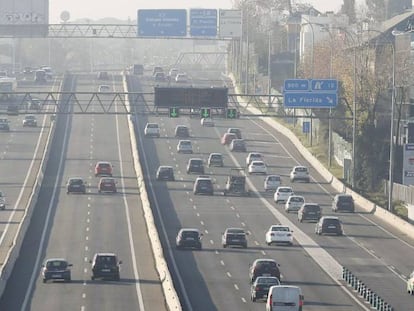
x=376, y=10
x=348, y=8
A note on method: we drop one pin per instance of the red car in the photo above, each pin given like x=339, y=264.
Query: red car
x=103, y=168
x=227, y=138
x=107, y=184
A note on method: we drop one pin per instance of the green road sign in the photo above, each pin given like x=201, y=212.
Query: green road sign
x=205, y=113
x=231, y=113
x=174, y=112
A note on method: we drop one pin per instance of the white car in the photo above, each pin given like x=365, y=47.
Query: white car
x=104, y=88
x=279, y=234
x=282, y=194
x=294, y=203
x=253, y=156
x=272, y=182
x=257, y=167
x=184, y=146
x=181, y=78
x=152, y=129
x=207, y=122
x=173, y=73
x=299, y=173
x=410, y=284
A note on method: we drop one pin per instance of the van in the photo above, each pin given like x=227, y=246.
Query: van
x=284, y=298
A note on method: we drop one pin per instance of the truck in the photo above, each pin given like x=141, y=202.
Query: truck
x=7, y=87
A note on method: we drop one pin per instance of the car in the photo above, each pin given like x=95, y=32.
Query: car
x=30, y=120
x=56, y=269
x=207, y=122
x=238, y=145
x=253, y=156
x=410, y=284
x=282, y=193
x=152, y=130
x=227, y=138
x=234, y=237
x=257, y=167
x=184, y=146
x=2, y=201
x=105, y=266
x=284, y=297
x=75, y=185
x=195, y=165
x=329, y=225
x=343, y=202
x=103, y=168
x=294, y=203
x=309, y=211
x=173, y=73
x=264, y=267
x=215, y=159
x=103, y=75
x=34, y=103
x=203, y=185
x=271, y=182
x=261, y=285
x=13, y=110
x=48, y=70
x=4, y=125
x=160, y=77
x=157, y=69
x=299, y=173
x=188, y=238
x=165, y=172
x=279, y=234
x=236, y=131
x=181, y=78
x=182, y=131
x=107, y=184
x=104, y=88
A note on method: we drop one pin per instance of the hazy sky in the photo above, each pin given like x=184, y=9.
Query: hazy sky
x=95, y=9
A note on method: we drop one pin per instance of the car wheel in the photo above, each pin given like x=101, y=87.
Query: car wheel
x=117, y=278
x=44, y=280
x=253, y=298
x=244, y=245
x=68, y=280
x=269, y=243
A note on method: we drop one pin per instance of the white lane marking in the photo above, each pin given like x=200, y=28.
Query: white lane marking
x=243, y=224
x=40, y=250
x=243, y=299
x=222, y=263
x=236, y=287
x=198, y=214
x=83, y=295
x=86, y=248
x=228, y=274
x=206, y=231
x=211, y=242
x=257, y=243
x=85, y=270
x=128, y=218
x=82, y=308
x=202, y=222
x=85, y=259
x=87, y=238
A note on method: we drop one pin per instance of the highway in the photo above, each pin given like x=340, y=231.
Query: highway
x=370, y=249
x=77, y=226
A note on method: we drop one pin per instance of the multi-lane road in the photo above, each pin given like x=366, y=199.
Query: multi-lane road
x=77, y=226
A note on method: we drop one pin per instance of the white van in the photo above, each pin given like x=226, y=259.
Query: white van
x=284, y=298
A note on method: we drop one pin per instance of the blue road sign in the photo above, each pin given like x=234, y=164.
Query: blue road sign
x=310, y=100
x=322, y=85
x=162, y=23
x=296, y=85
x=306, y=127
x=203, y=22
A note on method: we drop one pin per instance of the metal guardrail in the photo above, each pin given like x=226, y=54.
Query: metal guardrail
x=365, y=292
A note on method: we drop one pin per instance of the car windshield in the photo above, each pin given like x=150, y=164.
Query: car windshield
x=55, y=264
x=313, y=208
x=285, y=229
x=345, y=198
x=285, y=190
x=301, y=169
x=189, y=234
x=296, y=199
x=106, y=260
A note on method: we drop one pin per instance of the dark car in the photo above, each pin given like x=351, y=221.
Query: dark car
x=234, y=237
x=329, y=225
x=188, y=238
x=235, y=131
x=105, y=266
x=4, y=125
x=203, y=185
x=107, y=184
x=75, y=185
x=182, y=131
x=56, y=269
x=343, y=202
x=238, y=145
x=261, y=285
x=309, y=211
x=165, y=172
x=13, y=110
x=30, y=120
x=215, y=159
x=195, y=165
x=264, y=267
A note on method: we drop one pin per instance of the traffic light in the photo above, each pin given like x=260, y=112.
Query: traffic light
x=231, y=113
x=174, y=112
x=205, y=112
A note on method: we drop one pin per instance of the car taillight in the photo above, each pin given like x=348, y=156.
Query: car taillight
x=270, y=300
x=257, y=288
x=289, y=234
x=300, y=301
x=272, y=234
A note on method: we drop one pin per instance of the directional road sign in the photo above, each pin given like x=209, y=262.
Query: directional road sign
x=174, y=112
x=230, y=23
x=231, y=113
x=203, y=22
x=306, y=127
x=310, y=100
x=162, y=23
x=324, y=85
x=296, y=85
x=205, y=113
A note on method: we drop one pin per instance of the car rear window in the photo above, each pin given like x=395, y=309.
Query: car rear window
x=216, y=156
x=152, y=126
x=285, y=190
x=296, y=199
x=274, y=178
x=193, y=234
x=301, y=169
x=266, y=264
x=345, y=198
x=236, y=231
x=331, y=222
x=312, y=208
x=104, y=165
x=76, y=181
x=57, y=264
x=281, y=229
x=106, y=260
x=267, y=281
